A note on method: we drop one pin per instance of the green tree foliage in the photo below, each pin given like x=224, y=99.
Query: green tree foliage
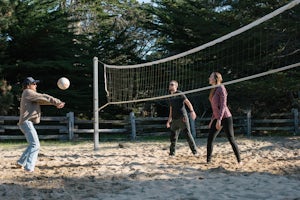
x=5, y=21
x=113, y=33
x=6, y=97
x=40, y=42
x=182, y=25
x=53, y=38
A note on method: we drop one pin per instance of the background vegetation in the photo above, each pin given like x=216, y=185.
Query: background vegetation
x=52, y=38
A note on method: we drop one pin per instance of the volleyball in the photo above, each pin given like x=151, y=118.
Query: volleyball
x=63, y=83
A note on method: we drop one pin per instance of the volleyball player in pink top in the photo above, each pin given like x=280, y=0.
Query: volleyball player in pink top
x=221, y=117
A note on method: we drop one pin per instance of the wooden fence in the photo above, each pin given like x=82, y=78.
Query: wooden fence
x=71, y=128
x=61, y=127
x=284, y=122
x=49, y=128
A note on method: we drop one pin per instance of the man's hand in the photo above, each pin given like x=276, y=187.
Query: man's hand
x=61, y=105
x=168, y=124
x=193, y=115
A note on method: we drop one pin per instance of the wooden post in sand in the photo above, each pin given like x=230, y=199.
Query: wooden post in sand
x=133, y=128
x=249, y=122
x=70, y=117
x=296, y=120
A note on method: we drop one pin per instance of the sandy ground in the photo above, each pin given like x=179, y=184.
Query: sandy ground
x=143, y=170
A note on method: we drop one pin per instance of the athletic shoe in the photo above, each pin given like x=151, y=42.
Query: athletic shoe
x=196, y=154
x=28, y=171
x=19, y=165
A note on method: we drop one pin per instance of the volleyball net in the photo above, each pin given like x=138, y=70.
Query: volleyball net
x=265, y=46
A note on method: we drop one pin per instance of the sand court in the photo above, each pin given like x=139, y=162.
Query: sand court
x=143, y=170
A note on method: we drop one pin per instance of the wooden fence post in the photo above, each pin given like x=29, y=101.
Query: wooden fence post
x=249, y=122
x=296, y=120
x=133, y=128
x=70, y=117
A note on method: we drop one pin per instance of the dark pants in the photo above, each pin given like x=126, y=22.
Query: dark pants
x=227, y=124
x=177, y=126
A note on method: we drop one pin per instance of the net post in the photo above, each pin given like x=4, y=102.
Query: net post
x=96, y=103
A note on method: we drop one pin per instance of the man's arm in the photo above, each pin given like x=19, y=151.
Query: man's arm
x=170, y=118
x=190, y=106
x=43, y=99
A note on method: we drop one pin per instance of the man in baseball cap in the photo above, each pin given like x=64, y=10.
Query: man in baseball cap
x=29, y=80
x=30, y=114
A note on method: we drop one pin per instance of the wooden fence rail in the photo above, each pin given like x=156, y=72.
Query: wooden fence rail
x=69, y=127
x=50, y=128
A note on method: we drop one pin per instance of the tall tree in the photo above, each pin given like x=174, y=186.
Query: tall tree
x=41, y=44
x=182, y=25
x=55, y=38
x=113, y=33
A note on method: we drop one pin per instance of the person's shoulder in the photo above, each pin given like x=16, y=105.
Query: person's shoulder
x=30, y=92
x=182, y=94
x=26, y=91
x=221, y=89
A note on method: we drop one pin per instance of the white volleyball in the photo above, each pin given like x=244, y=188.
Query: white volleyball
x=63, y=83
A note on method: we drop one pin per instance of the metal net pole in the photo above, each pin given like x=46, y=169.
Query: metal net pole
x=96, y=104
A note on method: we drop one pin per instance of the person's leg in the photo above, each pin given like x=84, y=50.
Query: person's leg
x=228, y=129
x=23, y=159
x=190, y=139
x=212, y=134
x=173, y=140
x=29, y=157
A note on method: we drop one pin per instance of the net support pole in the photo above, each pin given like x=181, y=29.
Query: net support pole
x=96, y=103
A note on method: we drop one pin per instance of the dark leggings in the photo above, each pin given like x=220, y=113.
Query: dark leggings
x=227, y=124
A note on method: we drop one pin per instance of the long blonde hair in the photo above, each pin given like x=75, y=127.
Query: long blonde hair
x=218, y=78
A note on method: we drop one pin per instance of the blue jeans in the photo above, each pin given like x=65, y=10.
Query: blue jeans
x=29, y=156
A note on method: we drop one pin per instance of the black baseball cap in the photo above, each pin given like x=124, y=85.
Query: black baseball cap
x=29, y=80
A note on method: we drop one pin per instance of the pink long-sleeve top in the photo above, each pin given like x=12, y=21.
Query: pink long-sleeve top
x=219, y=104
